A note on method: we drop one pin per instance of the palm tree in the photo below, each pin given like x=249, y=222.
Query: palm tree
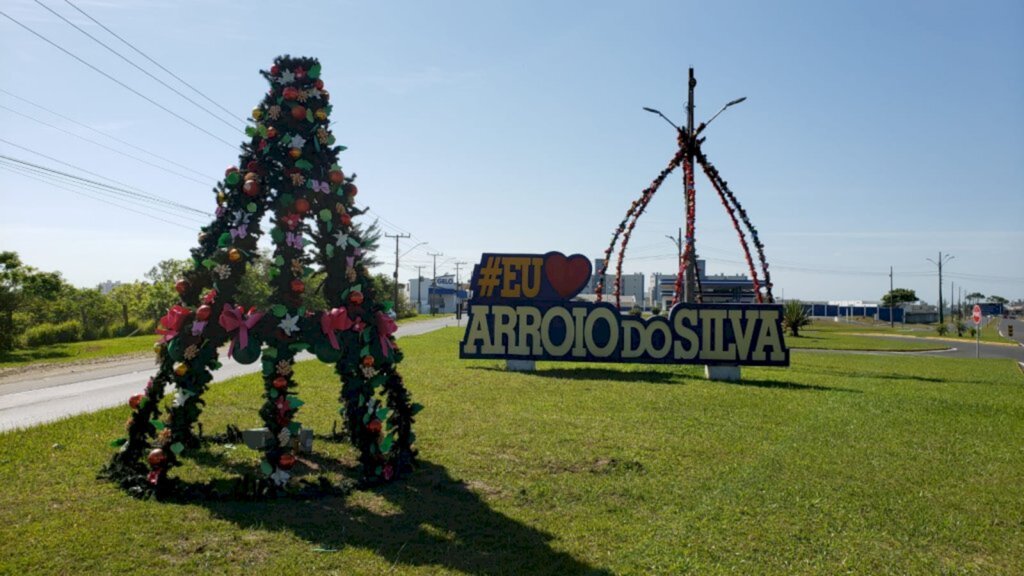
x=794, y=316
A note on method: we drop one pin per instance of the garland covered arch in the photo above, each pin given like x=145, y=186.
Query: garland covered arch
x=288, y=169
x=689, y=148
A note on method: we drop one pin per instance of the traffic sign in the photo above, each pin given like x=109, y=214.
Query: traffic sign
x=977, y=315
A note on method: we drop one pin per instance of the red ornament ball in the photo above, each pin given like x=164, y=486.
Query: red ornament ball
x=368, y=361
x=351, y=189
x=297, y=286
x=346, y=220
x=271, y=132
x=280, y=383
x=181, y=286
x=319, y=84
x=286, y=461
x=300, y=73
x=356, y=298
x=375, y=426
x=136, y=400
x=156, y=458
x=275, y=70
x=336, y=176
x=251, y=188
x=230, y=169
x=203, y=313
x=299, y=113
x=290, y=93
x=302, y=205
x=253, y=166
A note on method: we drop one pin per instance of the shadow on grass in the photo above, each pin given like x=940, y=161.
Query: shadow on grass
x=783, y=385
x=17, y=356
x=426, y=519
x=882, y=376
x=647, y=376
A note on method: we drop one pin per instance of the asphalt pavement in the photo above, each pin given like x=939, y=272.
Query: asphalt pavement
x=54, y=392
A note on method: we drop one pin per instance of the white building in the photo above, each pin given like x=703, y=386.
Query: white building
x=440, y=294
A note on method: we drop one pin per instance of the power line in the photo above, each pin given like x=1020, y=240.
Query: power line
x=139, y=68
x=101, y=145
x=144, y=55
x=98, y=131
x=123, y=191
x=9, y=143
x=118, y=82
x=79, y=192
x=43, y=176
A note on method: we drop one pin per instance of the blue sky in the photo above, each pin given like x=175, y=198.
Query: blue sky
x=875, y=134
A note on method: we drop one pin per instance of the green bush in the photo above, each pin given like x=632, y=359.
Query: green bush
x=43, y=334
x=656, y=310
x=636, y=311
x=942, y=329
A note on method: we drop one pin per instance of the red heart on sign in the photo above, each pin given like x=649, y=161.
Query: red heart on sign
x=567, y=275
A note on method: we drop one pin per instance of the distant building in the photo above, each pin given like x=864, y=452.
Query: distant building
x=106, y=287
x=440, y=294
x=632, y=287
x=717, y=288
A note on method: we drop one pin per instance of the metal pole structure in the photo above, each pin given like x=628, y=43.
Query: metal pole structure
x=419, y=288
x=433, y=280
x=458, y=305
x=892, y=321
x=942, y=259
x=690, y=284
x=397, y=237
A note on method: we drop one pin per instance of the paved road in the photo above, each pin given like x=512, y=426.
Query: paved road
x=46, y=394
x=966, y=348
x=1018, y=329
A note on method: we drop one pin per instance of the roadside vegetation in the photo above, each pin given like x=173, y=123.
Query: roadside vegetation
x=839, y=463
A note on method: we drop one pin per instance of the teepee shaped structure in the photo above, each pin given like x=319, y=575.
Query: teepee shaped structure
x=688, y=154
x=288, y=169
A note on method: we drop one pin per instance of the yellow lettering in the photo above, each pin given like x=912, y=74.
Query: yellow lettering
x=477, y=331
x=509, y=285
x=769, y=336
x=504, y=329
x=658, y=325
x=611, y=318
x=531, y=277
x=689, y=316
x=630, y=327
x=713, y=346
x=529, y=332
x=743, y=337
x=562, y=348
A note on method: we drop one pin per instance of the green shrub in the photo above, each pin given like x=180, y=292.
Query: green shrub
x=656, y=310
x=43, y=334
x=795, y=317
x=636, y=311
x=942, y=329
x=973, y=331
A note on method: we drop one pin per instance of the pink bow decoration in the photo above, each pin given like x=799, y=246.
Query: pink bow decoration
x=385, y=328
x=336, y=319
x=294, y=239
x=171, y=323
x=322, y=187
x=234, y=318
x=239, y=232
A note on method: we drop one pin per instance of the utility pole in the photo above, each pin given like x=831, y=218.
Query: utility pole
x=419, y=288
x=892, y=322
x=458, y=305
x=433, y=280
x=942, y=260
x=679, y=245
x=690, y=284
x=397, y=237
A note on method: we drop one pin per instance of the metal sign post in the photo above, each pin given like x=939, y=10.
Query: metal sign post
x=976, y=316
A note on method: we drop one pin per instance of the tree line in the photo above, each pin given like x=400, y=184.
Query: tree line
x=39, y=308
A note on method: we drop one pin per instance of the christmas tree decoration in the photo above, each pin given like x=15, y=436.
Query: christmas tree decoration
x=309, y=202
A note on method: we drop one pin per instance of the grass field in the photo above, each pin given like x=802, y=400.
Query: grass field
x=78, y=350
x=839, y=464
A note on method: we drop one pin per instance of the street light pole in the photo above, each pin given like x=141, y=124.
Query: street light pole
x=419, y=288
x=433, y=281
x=942, y=260
x=892, y=322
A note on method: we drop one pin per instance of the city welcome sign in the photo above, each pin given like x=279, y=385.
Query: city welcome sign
x=522, y=309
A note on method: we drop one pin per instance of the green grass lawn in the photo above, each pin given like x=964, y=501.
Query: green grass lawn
x=814, y=338
x=839, y=464
x=78, y=350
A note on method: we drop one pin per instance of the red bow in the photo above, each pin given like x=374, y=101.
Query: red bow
x=336, y=319
x=385, y=328
x=234, y=318
x=171, y=323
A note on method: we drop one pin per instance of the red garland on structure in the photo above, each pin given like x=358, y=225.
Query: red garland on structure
x=634, y=212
